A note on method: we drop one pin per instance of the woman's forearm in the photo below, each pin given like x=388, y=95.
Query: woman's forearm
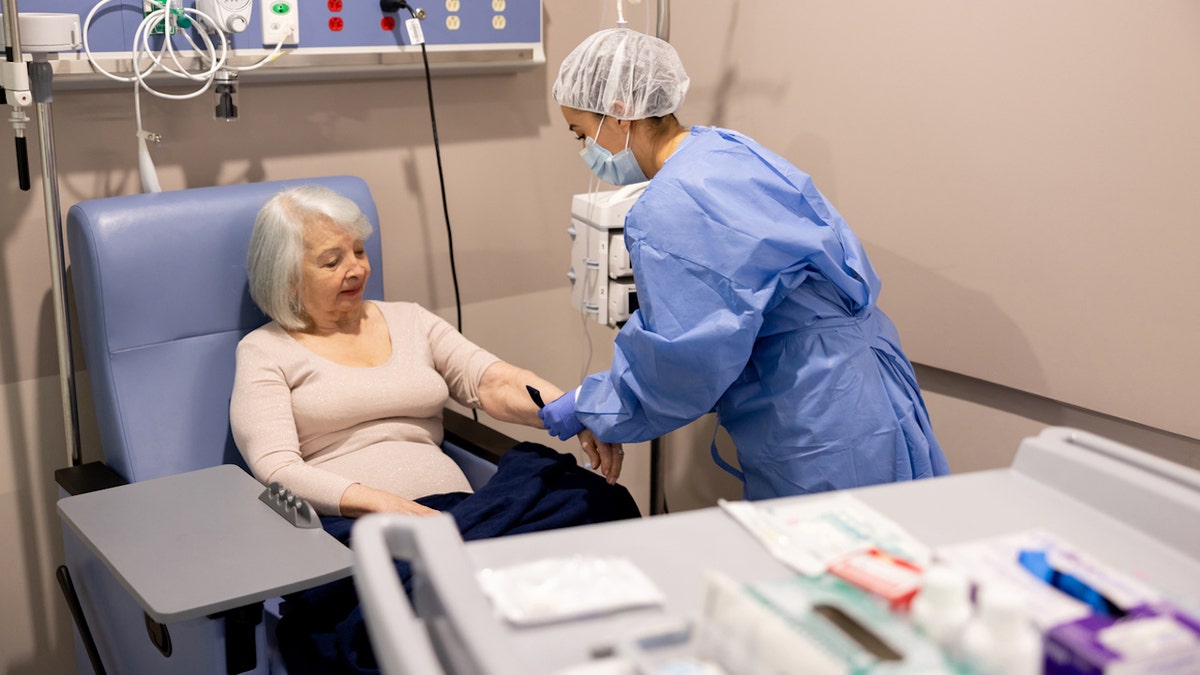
x=503, y=395
x=359, y=500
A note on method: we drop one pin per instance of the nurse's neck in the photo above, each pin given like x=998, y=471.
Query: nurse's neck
x=665, y=145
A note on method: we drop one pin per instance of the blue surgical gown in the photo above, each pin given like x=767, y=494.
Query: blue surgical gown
x=758, y=302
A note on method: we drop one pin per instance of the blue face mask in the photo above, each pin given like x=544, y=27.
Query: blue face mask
x=619, y=169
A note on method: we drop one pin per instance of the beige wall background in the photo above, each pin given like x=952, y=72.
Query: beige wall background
x=1021, y=174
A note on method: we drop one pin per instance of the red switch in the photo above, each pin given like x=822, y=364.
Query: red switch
x=335, y=24
x=388, y=23
x=335, y=5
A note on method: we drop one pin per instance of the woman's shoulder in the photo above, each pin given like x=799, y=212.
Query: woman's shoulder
x=395, y=306
x=401, y=312
x=699, y=169
x=716, y=160
x=269, y=341
x=699, y=136
x=718, y=139
x=408, y=318
x=267, y=334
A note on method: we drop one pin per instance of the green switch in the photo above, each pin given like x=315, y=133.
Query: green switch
x=281, y=8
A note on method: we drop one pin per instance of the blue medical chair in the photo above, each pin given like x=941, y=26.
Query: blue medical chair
x=162, y=301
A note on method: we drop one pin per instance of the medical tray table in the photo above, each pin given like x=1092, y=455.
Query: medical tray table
x=200, y=543
x=1135, y=512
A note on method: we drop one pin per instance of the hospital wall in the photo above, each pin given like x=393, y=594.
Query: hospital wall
x=1021, y=174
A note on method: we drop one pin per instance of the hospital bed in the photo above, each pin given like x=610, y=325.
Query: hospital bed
x=1135, y=512
x=153, y=572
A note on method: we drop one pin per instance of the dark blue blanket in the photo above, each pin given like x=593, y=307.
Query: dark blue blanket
x=535, y=488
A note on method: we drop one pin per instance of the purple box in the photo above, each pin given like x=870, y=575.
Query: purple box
x=1157, y=638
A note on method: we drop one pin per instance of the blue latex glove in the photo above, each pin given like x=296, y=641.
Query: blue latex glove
x=559, y=417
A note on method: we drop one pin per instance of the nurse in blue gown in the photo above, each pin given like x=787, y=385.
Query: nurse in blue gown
x=756, y=299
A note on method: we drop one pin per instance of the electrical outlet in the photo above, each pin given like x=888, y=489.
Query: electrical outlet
x=281, y=22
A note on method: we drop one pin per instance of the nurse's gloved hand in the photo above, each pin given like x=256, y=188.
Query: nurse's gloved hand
x=559, y=417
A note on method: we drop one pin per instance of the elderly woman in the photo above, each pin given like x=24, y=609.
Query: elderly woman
x=339, y=399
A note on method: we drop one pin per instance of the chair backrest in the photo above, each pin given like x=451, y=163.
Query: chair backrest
x=162, y=299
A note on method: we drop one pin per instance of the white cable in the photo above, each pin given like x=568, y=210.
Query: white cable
x=140, y=48
x=87, y=49
x=141, y=38
x=266, y=59
x=208, y=54
x=146, y=170
x=621, y=22
x=254, y=66
x=166, y=15
x=591, y=274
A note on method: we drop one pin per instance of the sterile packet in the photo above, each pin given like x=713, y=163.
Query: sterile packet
x=810, y=534
x=557, y=589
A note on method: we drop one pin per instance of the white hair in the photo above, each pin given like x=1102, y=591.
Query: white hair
x=273, y=263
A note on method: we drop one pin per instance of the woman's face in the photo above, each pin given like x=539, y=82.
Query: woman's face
x=335, y=270
x=584, y=125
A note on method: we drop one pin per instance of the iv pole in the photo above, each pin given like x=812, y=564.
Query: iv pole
x=39, y=77
x=658, y=497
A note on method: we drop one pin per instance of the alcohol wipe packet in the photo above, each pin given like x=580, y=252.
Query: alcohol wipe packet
x=571, y=587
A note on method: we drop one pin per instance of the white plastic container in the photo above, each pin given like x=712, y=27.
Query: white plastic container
x=942, y=608
x=1001, y=638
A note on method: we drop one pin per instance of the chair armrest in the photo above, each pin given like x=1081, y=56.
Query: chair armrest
x=77, y=480
x=475, y=437
x=464, y=432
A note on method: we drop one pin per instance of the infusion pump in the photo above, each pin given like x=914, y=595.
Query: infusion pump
x=602, y=284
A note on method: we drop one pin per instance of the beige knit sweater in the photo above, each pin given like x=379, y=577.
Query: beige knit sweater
x=317, y=427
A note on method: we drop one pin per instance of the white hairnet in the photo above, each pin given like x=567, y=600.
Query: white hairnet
x=624, y=74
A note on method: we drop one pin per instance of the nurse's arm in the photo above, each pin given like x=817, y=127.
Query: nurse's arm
x=503, y=395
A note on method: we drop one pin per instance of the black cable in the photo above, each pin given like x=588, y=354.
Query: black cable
x=437, y=150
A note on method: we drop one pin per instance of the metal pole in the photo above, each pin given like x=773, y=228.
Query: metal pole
x=658, y=501
x=664, y=20
x=20, y=97
x=13, y=50
x=41, y=75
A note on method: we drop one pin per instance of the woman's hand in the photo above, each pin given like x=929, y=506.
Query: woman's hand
x=359, y=500
x=606, y=458
x=504, y=396
x=411, y=508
